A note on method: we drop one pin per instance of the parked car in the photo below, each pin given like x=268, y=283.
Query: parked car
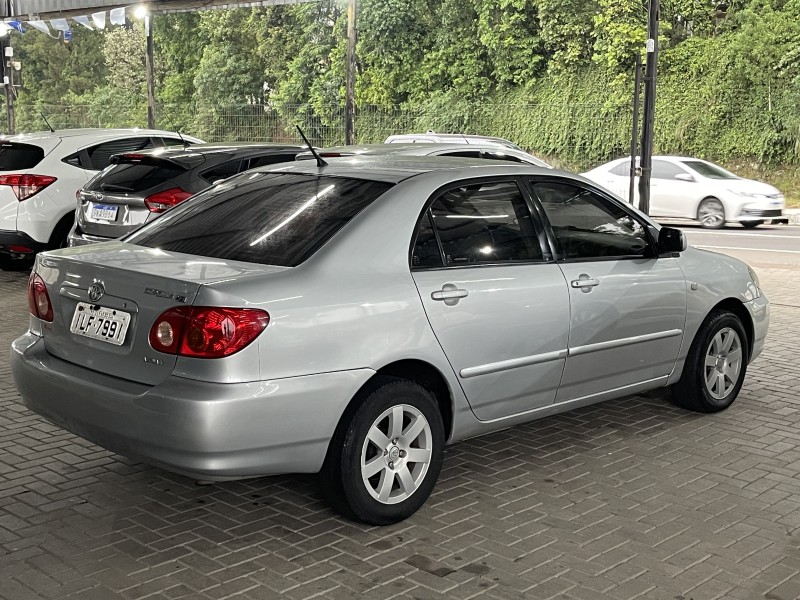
x=139, y=186
x=691, y=188
x=352, y=319
x=485, y=151
x=431, y=137
x=41, y=172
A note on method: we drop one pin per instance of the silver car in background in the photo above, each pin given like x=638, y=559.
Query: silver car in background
x=353, y=318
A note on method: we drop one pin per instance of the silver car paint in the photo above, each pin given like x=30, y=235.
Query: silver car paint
x=352, y=308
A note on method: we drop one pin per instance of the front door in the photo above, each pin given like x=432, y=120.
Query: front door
x=628, y=307
x=498, y=306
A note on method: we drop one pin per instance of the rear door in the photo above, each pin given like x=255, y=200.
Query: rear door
x=496, y=302
x=628, y=306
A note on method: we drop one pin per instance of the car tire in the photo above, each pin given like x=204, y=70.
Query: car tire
x=751, y=224
x=711, y=379
x=711, y=214
x=385, y=458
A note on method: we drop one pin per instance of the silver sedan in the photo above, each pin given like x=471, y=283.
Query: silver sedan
x=353, y=318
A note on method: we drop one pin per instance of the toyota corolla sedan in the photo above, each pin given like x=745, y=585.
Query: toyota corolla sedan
x=353, y=318
x=690, y=188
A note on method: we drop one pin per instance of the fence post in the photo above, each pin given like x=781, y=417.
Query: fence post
x=350, y=92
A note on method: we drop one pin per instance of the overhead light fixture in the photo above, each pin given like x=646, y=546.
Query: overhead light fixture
x=140, y=12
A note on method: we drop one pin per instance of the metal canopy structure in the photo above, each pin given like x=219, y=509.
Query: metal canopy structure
x=37, y=10
x=54, y=9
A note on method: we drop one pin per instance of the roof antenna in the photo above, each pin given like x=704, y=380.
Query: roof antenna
x=50, y=127
x=320, y=163
x=183, y=141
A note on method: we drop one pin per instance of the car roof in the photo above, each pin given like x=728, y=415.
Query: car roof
x=419, y=148
x=394, y=168
x=88, y=131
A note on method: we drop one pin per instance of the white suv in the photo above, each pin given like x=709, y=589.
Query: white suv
x=40, y=173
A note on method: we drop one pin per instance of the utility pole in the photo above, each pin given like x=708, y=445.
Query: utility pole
x=637, y=84
x=151, y=95
x=350, y=83
x=648, y=116
x=8, y=82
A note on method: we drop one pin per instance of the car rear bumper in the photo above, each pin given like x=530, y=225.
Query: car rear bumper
x=200, y=429
x=77, y=238
x=19, y=244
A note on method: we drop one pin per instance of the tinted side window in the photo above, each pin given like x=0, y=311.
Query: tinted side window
x=270, y=159
x=223, y=171
x=485, y=223
x=269, y=218
x=426, y=248
x=100, y=155
x=19, y=156
x=665, y=170
x=622, y=169
x=588, y=226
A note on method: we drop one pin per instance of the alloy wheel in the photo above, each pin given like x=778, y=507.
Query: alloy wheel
x=396, y=454
x=723, y=363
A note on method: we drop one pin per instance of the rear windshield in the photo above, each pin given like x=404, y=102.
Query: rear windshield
x=15, y=157
x=133, y=177
x=269, y=218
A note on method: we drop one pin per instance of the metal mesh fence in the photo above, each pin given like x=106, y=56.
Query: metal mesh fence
x=576, y=137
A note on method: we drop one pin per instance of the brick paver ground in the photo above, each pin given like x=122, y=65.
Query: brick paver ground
x=628, y=499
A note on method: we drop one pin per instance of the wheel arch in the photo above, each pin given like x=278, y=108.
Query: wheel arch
x=64, y=223
x=738, y=308
x=418, y=371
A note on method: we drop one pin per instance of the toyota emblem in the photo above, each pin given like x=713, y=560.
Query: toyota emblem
x=96, y=291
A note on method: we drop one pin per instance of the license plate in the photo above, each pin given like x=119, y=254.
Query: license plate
x=104, y=324
x=104, y=212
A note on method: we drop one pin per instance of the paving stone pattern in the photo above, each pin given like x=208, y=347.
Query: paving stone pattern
x=629, y=499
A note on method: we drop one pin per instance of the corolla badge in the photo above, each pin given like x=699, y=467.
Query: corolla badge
x=96, y=291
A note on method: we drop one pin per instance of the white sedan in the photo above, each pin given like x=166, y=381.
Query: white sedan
x=690, y=188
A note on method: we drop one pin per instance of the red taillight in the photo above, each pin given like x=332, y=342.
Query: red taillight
x=25, y=186
x=38, y=300
x=162, y=201
x=205, y=331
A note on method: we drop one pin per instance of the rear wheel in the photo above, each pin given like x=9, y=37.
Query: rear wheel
x=383, y=462
x=711, y=214
x=751, y=224
x=715, y=366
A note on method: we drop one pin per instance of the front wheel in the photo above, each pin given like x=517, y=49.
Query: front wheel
x=711, y=214
x=715, y=366
x=385, y=460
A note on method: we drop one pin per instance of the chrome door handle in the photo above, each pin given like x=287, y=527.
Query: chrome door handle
x=449, y=294
x=588, y=282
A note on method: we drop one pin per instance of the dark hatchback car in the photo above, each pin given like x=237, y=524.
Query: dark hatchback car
x=137, y=186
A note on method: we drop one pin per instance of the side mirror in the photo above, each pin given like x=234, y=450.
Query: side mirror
x=671, y=241
x=684, y=177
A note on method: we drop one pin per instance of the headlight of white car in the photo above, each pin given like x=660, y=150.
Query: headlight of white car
x=757, y=196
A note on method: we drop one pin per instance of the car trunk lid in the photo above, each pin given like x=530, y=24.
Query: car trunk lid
x=133, y=284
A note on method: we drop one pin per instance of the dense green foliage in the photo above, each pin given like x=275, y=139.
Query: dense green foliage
x=552, y=75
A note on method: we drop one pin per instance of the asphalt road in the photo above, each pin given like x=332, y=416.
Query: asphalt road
x=766, y=246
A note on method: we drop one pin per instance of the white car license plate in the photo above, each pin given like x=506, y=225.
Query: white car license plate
x=104, y=212
x=104, y=324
